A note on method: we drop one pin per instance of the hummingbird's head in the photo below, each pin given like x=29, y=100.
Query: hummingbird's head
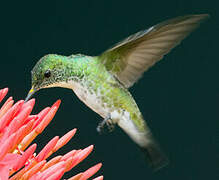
x=47, y=72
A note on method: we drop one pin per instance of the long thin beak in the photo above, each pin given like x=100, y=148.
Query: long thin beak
x=30, y=94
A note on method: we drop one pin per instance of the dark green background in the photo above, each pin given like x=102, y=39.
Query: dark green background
x=179, y=97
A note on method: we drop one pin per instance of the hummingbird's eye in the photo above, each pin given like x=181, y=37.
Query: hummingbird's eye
x=47, y=74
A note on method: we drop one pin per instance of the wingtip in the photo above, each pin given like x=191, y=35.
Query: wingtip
x=203, y=16
x=199, y=17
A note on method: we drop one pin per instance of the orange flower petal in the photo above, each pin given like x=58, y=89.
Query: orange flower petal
x=51, y=170
x=45, y=151
x=33, y=170
x=56, y=104
x=30, y=103
x=51, y=162
x=39, y=128
x=30, y=118
x=64, y=139
x=76, y=177
x=71, y=162
x=7, y=117
x=25, y=156
x=90, y=172
x=3, y=93
x=4, y=171
x=82, y=155
x=68, y=155
x=99, y=178
x=18, y=129
x=56, y=175
x=6, y=146
x=21, y=133
x=46, y=120
x=7, y=105
x=19, y=120
x=40, y=116
x=27, y=140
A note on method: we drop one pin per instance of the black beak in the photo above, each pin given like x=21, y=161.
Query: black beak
x=30, y=94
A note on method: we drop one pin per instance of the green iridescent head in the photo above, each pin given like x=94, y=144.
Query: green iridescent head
x=49, y=71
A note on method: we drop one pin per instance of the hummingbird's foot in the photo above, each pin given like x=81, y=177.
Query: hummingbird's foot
x=107, y=122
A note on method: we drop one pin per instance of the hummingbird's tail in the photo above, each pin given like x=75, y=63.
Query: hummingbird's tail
x=153, y=154
x=147, y=143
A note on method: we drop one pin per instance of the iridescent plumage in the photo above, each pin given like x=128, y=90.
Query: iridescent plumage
x=102, y=82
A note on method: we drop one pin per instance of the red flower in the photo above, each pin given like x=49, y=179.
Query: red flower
x=18, y=129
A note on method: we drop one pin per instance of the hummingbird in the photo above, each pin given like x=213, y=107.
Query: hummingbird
x=102, y=82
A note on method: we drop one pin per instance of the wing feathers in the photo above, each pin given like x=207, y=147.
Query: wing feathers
x=139, y=52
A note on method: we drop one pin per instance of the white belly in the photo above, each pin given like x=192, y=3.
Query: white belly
x=93, y=100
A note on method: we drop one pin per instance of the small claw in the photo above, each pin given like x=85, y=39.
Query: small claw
x=110, y=126
x=107, y=122
x=99, y=129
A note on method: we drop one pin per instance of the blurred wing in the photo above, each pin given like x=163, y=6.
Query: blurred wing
x=128, y=60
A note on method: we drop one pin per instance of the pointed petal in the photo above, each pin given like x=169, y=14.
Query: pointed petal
x=3, y=93
x=18, y=121
x=99, y=178
x=7, y=105
x=46, y=120
x=90, y=172
x=64, y=139
x=40, y=116
x=45, y=151
x=21, y=133
x=51, y=170
x=56, y=104
x=6, y=146
x=81, y=156
x=71, y=162
x=42, y=113
x=85, y=152
x=30, y=118
x=7, y=117
x=27, y=140
x=76, y=177
x=68, y=155
x=30, y=103
x=52, y=162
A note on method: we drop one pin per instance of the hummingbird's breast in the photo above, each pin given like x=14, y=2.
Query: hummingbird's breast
x=92, y=98
x=120, y=106
x=108, y=98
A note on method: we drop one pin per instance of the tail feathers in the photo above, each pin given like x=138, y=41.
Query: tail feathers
x=147, y=143
x=154, y=155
